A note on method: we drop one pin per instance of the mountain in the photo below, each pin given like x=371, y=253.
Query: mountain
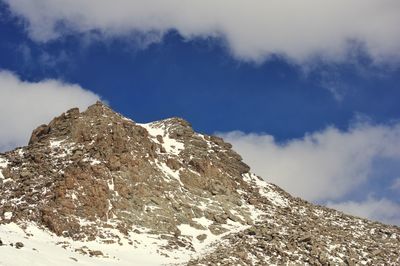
x=96, y=188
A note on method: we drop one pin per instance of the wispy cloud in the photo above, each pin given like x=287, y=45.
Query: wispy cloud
x=383, y=209
x=26, y=105
x=252, y=30
x=39, y=57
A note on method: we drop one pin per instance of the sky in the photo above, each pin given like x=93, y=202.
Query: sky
x=306, y=91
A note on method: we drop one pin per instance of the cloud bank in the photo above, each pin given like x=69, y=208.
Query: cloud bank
x=327, y=166
x=25, y=105
x=252, y=30
x=383, y=210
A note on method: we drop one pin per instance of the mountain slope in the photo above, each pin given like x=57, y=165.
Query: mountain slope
x=99, y=188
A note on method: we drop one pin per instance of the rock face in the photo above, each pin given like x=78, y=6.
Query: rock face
x=96, y=175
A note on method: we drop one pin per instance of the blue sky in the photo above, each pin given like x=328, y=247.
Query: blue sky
x=271, y=96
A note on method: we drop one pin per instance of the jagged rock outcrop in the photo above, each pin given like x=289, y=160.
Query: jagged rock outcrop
x=97, y=176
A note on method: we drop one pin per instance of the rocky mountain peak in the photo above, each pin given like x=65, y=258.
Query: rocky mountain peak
x=97, y=165
x=98, y=178
x=69, y=124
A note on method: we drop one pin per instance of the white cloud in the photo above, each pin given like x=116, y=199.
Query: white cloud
x=253, y=30
x=383, y=210
x=26, y=105
x=326, y=165
x=396, y=184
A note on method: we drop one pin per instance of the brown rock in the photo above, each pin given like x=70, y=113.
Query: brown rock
x=201, y=237
x=39, y=133
x=95, y=253
x=305, y=238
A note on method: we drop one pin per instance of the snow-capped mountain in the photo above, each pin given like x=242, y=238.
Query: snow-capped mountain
x=96, y=188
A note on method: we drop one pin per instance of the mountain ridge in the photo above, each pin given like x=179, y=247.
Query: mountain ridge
x=98, y=178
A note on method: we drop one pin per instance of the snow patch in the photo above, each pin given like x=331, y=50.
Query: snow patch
x=266, y=190
x=192, y=233
x=275, y=198
x=92, y=161
x=63, y=149
x=209, y=243
x=203, y=205
x=73, y=196
x=169, y=172
x=255, y=214
x=55, y=143
x=8, y=215
x=3, y=164
x=171, y=146
x=21, y=152
x=127, y=119
x=44, y=248
x=110, y=184
x=203, y=221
